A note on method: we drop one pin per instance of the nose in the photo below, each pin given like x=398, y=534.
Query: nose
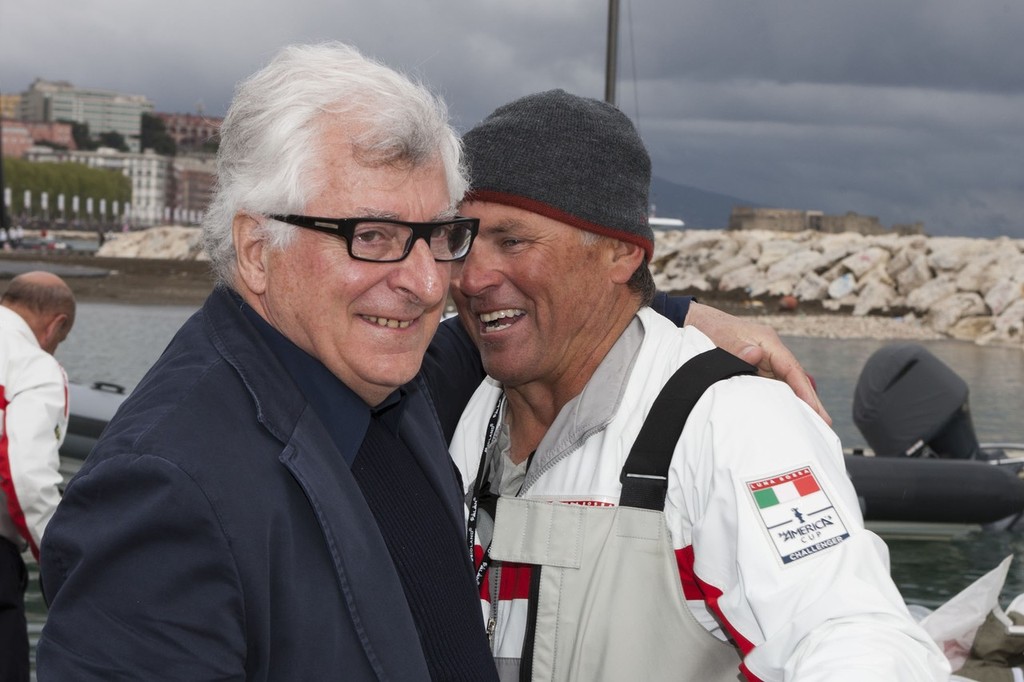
x=476, y=272
x=422, y=276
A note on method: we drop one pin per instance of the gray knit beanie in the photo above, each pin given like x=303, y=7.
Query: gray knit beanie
x=577, y=160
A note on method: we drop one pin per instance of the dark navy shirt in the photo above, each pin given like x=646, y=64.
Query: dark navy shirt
x=343, y=413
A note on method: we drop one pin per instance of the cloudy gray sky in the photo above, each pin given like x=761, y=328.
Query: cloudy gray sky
x=903, y=109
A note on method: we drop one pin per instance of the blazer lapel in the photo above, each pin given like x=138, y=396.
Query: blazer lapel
x=373, y=591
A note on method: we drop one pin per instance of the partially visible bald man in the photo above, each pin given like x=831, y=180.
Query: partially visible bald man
x=37, y=312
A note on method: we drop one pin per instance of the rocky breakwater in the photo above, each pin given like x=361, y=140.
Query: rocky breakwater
x=957, y=287
x=172, y=242
x=960, y=287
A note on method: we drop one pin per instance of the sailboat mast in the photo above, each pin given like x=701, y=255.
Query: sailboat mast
x=613, y=51
x=4, y=221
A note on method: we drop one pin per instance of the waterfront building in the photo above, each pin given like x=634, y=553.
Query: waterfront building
x=20, y=136
x=9, y=105
x=148, y=172
x=191, y=187
x=103, y=110
x=191, y=132
x=795, y=220
x=15, y=138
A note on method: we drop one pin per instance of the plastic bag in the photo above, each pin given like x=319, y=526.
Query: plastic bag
x=998, y=651
x=954, y=624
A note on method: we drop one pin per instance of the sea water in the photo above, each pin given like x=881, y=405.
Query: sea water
x=929, y=569
x=117, y=343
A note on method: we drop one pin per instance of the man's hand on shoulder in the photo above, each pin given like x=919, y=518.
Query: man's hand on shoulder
x=759, y=345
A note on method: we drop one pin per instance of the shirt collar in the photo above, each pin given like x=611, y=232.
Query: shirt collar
x=343, y=413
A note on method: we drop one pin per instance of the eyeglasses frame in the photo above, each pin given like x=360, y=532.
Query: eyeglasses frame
x=344, y=229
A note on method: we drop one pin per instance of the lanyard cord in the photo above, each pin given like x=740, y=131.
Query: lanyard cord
x=482, y=490
x=482, y=494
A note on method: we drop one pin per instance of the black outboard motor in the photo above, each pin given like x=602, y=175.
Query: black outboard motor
x=908, y=403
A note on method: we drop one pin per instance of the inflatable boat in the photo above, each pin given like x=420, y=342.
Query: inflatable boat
x=925, y=463
x=92, y=406
x=91, y=409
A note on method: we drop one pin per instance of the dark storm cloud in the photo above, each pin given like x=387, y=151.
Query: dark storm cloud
x=907, y=110
x=944, y=44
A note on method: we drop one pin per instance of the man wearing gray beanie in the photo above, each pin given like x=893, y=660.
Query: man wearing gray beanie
x=610, y=546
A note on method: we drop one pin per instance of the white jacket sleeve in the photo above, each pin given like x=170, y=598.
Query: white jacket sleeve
x=35, y=421
x=780, y=545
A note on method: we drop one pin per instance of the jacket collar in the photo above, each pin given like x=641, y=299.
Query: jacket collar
x=15, y=322
x=593, y=408
x=279, y=403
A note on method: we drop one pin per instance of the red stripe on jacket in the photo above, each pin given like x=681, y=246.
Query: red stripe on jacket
x=7, y=481
x=515, y=579
x=696, y=589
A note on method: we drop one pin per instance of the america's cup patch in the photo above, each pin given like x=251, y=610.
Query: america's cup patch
x=797, y=514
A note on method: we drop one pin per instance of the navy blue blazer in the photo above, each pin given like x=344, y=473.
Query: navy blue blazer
x=215, y=533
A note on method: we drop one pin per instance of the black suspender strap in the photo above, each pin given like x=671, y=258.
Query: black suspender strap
x=645, y=474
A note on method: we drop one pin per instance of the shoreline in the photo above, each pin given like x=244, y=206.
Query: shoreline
x=839, y=326
x=156, y=281
x=136, y=281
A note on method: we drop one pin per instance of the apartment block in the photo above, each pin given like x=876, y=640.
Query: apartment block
x=103, y=110
x=20, y=136
x=191, y=131
x=9, y=105
x=191, y=187
x=15, y=138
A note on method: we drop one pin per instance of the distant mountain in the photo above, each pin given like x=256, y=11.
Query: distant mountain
x=696, y=207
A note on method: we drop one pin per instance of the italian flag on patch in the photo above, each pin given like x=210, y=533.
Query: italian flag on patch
x=797, y=514
x=779, y=489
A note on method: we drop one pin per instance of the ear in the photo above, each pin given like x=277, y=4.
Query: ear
x=53, y=333
x=250, y=248
x=625, y=259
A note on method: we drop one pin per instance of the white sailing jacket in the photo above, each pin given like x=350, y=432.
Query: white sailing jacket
x=764, y=522
x=33, y=422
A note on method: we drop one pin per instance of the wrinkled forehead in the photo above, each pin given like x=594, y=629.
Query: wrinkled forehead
x=347, y=145
x=343, y=185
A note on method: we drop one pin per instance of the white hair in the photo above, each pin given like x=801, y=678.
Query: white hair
x=269, y=141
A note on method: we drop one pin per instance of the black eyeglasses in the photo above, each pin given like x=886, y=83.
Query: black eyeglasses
x=383, y=240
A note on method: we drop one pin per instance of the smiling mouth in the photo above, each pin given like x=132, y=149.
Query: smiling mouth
x=387, y=322
x=500, y=319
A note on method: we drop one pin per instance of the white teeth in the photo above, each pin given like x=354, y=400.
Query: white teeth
x=490, y=319
x=385, y=322
x=501, y=314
